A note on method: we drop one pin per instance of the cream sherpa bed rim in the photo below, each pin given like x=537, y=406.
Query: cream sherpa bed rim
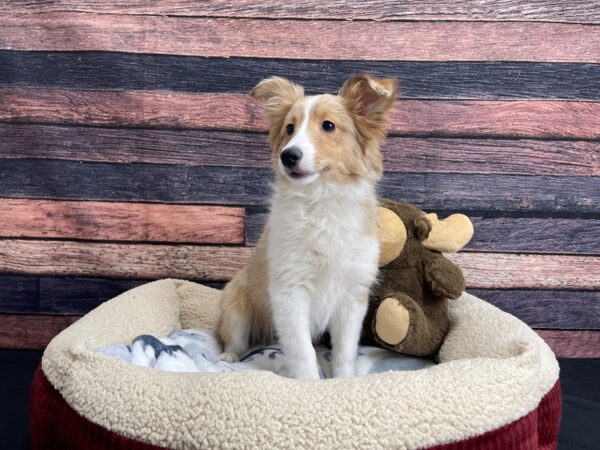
x=493, y=370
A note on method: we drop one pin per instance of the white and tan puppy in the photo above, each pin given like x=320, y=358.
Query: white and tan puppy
x=317, y=257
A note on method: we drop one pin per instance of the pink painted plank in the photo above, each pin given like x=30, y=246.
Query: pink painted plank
x=522, y=119
x=507, y=270
x=307, y=39
x=573, y=344
x=510, y=10
x=116, y=221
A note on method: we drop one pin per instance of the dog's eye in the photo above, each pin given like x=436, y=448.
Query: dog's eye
x=289, y=128
x=328, y=126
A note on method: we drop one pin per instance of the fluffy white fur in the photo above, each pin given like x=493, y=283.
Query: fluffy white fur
x=318, y=255
x=321, y=264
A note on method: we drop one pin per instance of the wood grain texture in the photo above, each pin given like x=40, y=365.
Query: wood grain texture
x=19, y=294
x=521, y=119
x=551, y=309
x=77, y=296
x=31, y=331
x=547, y=308
x=130, y=108
x=497, y=193
x=121, y=260
x=36, y=331
x=69, y=180
x=249, y=149
x=466, y=10
x=505, y=271
x=533, y=234
x=425, y=80
x=573, y=344
x=499, y=119
x=121, y=221
x=499, y=234
x=65, y=258
x=64, y=295
x=410, y=41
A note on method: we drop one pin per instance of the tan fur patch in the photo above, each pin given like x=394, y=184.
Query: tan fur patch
x=280, y=95
x=339, y=156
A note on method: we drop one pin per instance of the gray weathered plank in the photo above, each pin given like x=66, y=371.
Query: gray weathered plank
x=69, y=180
x=499, y=80
x=244, y=149
x=501, y=234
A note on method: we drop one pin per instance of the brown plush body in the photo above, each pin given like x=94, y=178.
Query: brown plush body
x=408, y=307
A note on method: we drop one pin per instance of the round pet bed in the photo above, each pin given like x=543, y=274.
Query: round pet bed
x=495, y=387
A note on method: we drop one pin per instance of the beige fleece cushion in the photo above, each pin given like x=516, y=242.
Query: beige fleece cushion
x=493, y=370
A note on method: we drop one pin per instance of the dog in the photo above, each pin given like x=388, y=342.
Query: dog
x=317, y=257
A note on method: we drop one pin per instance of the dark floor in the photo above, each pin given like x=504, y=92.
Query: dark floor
x=580, y=381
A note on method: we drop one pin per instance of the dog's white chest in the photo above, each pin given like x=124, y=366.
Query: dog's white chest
x=322, y=248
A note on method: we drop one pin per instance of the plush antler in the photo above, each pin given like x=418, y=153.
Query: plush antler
x=448, y=235
x=391, y=233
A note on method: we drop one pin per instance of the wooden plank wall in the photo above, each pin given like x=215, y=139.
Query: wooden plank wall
x=130, y=150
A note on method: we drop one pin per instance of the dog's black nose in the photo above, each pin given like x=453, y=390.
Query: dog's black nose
x=290, y=156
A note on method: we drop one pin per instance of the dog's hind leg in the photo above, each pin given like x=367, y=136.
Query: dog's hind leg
x=236, y=318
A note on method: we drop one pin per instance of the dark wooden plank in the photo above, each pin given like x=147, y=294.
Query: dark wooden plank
x=59, y=296
x=19, y=294
x=256, y=218
x=573, y=344
x=69, y=180
x=498, y=193
x=412, y=41
x=69, y=258
x=31, y=331
x=466, y=10
x=509, y=119
x=121, y=221
x=547, y=308
x=499, y=234
x=441, y=80
x=550, y=309
x=249, y=149
x=531, y=234
x=79, y=295
x=507, y=270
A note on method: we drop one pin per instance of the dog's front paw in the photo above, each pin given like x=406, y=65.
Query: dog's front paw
x=229, y=357
x=301, y=371
x=344, y=370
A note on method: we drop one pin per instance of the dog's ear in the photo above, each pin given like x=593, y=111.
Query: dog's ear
x=279, y=95
x=277, y=88
x=370, y=99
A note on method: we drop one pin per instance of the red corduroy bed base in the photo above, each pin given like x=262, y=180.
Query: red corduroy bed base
x=54, y=425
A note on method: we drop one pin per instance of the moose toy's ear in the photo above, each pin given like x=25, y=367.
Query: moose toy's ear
x=370, y=97
x=448, y=235
x=391, y=233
